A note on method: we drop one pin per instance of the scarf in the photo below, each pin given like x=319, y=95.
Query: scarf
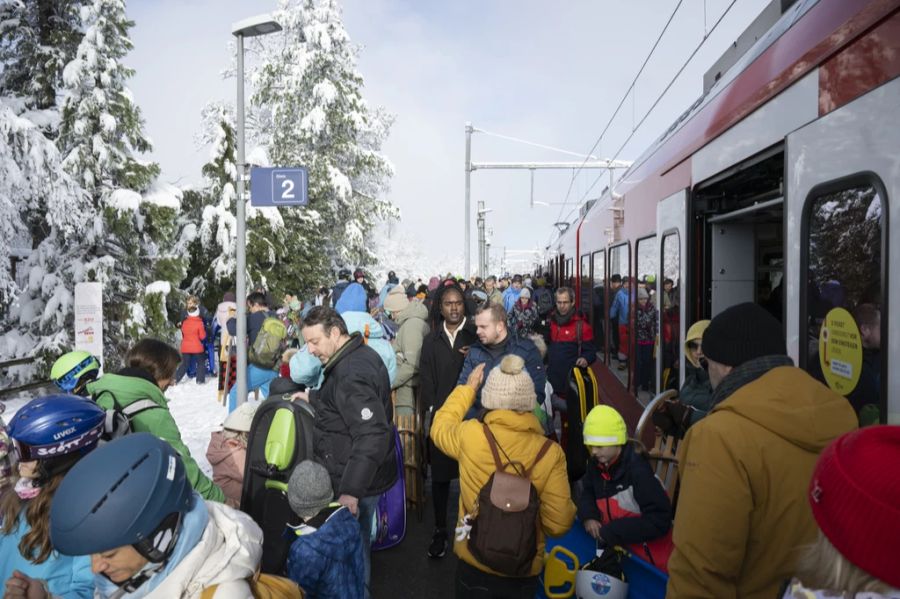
x=747, y=373
x=564, y=319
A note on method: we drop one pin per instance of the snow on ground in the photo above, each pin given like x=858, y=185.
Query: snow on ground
x=195, y=408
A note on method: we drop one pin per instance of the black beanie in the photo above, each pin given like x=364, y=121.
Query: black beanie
x=742, y=333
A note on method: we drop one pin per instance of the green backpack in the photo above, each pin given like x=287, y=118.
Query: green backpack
x=269, y=343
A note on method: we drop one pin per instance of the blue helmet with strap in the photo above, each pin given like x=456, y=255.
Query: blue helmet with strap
x=131, y=491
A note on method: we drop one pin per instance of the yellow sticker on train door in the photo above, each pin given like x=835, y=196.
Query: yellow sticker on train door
x=840, y=351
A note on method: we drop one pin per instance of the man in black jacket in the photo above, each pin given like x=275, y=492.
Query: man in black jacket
x=443, y=353
x=353, y=438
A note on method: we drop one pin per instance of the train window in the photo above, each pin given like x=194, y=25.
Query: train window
x=598, y=299
x=646, y=317
x=669, y=311
x=620, y=309
x=570, y=273
x=585, y=279
x=844, y=228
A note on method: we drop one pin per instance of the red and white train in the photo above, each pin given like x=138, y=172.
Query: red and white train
x=780, y=185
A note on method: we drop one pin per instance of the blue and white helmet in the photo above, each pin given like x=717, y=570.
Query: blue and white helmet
x=55, y=426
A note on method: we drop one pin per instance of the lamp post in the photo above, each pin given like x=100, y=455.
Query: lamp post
x=254, y=26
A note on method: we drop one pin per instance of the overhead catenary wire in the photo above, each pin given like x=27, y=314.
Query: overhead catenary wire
x=661, y=95
x=535, y=144
x=622, y=101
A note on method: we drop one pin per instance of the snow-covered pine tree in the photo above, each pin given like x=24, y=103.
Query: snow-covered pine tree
x=318, y=118
x=37, y=39
x=38, y=319
x=211, y=209
x=135, y=247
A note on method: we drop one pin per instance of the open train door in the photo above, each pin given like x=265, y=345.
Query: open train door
x=671, y=223
x=843, y=192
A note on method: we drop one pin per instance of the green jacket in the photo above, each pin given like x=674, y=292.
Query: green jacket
x=413, y=321
x=159, y=422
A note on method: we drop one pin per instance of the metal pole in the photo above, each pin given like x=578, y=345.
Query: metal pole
x=532, y=188
x=241, y=241
x=468, y=199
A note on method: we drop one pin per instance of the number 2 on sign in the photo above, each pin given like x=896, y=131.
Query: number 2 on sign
x=287, y=190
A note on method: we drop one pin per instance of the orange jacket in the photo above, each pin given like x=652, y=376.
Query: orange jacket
x=193, y=332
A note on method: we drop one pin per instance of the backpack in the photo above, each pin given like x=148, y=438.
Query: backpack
x=281, y=436
x=581, y=397
x=265, y=586
x=119, y=418
x=507, y=515
x=544, y=300
x=269, y=344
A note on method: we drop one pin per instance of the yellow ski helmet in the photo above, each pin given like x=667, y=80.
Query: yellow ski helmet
x=603, y=427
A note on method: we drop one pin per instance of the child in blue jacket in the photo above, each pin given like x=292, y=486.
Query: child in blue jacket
x=326, y=559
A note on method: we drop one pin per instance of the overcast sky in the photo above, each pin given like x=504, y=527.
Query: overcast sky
x=548, y=72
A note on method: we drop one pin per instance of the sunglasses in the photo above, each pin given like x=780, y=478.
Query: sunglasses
x=695, y=344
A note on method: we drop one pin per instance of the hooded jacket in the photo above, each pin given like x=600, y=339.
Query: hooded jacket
x=225, y=553
x=193, y=332
x=227, y=457
x=413, y=321
x=353, y=437
x=745, y=470
x=353, y=299
x=521, y=437
x=328, y=562
x=696, y=390
x=133, y=384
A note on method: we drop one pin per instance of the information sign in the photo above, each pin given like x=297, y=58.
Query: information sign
x=89, y=318
x=280, y=186
x=840, y=351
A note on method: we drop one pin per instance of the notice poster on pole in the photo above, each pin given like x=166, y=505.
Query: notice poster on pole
x=89, y=318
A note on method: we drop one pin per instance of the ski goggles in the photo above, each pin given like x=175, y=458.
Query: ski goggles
x=26, y=452
x=69, y=380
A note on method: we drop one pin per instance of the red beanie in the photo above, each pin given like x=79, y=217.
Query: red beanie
x=855, y=499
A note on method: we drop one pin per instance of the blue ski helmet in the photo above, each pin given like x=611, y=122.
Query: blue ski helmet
x=54, y=426
x=131, y=491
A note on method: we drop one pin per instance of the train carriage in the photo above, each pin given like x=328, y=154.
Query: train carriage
x=776, y=186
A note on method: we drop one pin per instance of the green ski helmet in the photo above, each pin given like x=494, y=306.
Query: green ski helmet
x=72, y=371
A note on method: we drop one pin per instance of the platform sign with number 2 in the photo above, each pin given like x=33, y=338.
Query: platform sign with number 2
x=280, y=186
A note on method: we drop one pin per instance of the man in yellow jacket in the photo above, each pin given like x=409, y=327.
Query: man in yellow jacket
x=510, y=399
x=742, y=513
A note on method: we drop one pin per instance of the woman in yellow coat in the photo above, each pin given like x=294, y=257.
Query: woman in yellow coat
x=509, y=399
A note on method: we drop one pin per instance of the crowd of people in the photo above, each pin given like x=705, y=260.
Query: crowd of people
x=779, y=494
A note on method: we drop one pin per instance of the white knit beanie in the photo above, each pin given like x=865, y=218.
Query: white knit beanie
x=509, y=387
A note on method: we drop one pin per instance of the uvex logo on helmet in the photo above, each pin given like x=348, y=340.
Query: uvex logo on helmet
x=65, y=433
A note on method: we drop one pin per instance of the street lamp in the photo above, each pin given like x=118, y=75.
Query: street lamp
x=252, y=27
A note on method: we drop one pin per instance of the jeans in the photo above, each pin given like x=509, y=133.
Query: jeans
x=257, y=378
x=366, y=517
x=472, y=583
x=187, y=360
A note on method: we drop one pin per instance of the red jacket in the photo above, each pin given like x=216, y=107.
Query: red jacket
x=564, y=349
x=193, y=332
